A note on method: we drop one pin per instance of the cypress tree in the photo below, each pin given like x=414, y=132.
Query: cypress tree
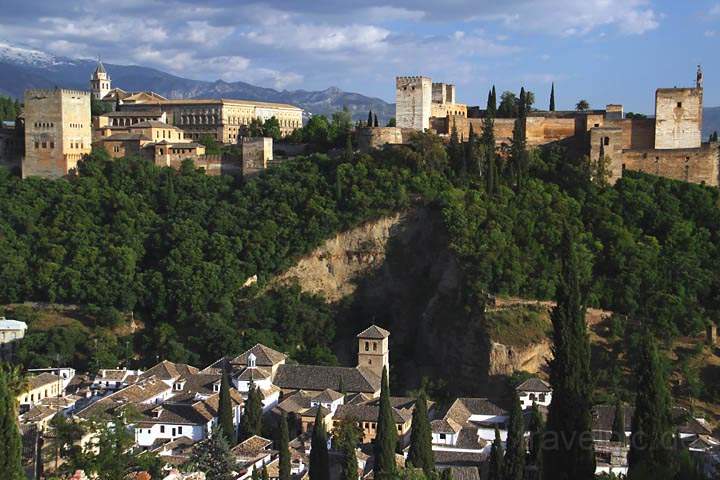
x=10, y=442
x=651, y=441
x=454, y=149
x=569, y=454
x=347, y=436
x=446, y=474
x=618, y=426
x=284, y=449
x=225, y=409
x=714, y=137
x=514, y=464
x=319, y=463
x=487, y=141
x=264, y=474
x=494, y=101
x=518, y=150
x=255, y=474
x=472, y=157
x=349, y=148
x=370, y=119
x=386, y=437
x=536, y=427
x=376, y=120
x=497, y=460
x=251, y=420
x=420, y=454
x=552, y=97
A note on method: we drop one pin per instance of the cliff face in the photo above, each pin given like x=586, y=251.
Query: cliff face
x=398, y=272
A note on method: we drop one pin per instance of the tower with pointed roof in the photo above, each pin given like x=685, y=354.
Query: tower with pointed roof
x=100, y=83
x=374, y=349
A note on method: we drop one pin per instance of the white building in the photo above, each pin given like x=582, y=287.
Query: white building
x=11, y=332
x=534, y=390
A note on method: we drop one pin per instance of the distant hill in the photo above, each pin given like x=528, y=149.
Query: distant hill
x=711, y=121
x=22, y=68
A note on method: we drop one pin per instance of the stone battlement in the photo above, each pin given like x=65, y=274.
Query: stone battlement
x=53, y=91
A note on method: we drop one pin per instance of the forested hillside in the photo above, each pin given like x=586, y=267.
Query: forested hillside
x=176, y=248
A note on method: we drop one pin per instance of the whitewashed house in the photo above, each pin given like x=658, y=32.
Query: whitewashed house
x=534, y=390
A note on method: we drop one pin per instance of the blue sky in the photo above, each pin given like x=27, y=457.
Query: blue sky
x=606, y=51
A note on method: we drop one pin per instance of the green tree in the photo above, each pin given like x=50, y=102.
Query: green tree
x=284, y=449
x=420, y=453
x=456, y=152
x=347, y=435
x=508, y=107
x=488, y=145
x=10, y=442
x=349, y=150
x=386, y=434
x=255, y=128
x=370, y=119
x=651, y=440
x=536, y=426
x=213, y=457
x=393, y=123
x=518, y=147
x=569, y=453
x=552, y=97
x=375, y=122
x=264, y=473
x=212, y=146
x=319, y=462
x=515, y=444
x=225, y=410
x=714, y=136
x=618, y=426
x=582, y=106
x=271, y=128
x=251, y=420
x=496, y=470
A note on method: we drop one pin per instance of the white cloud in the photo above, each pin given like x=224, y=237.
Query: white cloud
x=203, y=34
x=715, y=10
x=323, y=38
x=387, y=13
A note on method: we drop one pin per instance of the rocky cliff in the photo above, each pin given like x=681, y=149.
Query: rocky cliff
x=398, y=272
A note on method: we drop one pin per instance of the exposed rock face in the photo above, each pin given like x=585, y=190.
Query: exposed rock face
x=504, y=360
x=334, y=269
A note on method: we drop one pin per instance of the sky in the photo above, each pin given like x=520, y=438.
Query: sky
x=604, y=51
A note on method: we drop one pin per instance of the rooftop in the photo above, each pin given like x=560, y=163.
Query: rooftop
x=317, y=377
x=374, y=332
x=534, y=384
x=7, y=324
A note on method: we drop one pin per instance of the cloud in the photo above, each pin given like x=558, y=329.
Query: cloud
x=715, y=9
x=324, y=38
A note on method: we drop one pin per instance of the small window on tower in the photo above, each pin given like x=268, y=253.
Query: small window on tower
x=679, y=104
x=607, y=141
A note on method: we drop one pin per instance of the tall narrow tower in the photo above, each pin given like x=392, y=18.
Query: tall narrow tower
x=413, y=100
x=374, y=349
x=100, y=83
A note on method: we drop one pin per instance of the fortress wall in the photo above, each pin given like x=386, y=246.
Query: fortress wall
x=542, y=130
x=678, y=117
x=696, y=165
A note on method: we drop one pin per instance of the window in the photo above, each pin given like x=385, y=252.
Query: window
x=606, y=141
x=162, y=428
x=52, y=144
x=374, y=346
x=44, y=144
x=679, y=104
x=542, y=397
x=37, y=145
x=179, y=430
x=367, y=346
x=442, y=436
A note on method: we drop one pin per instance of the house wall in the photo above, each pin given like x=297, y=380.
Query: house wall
x=34, y=396
x=541, y=398
x=145, y=435
x=696, y=165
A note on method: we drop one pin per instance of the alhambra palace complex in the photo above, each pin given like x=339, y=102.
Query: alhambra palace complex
x=59, y=130
x=668, y=145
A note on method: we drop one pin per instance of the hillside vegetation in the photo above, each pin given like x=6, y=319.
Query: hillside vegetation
x=176, y=247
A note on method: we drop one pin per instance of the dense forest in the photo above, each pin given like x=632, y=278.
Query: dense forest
x=177, y=247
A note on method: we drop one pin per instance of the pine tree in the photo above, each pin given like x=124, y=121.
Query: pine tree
x=552, y=97
x=536, y=427
x=346, y=437
x=386, y=436
x=487, y=141
x=370, y=119
x=213, y=457
x=10, y=442
x=569, y=453
x=420, y=453
x=284, y=449
x=251, y=420
x=225, y=410
x=497, y=460
x=319, y=463
x=618, y=426
x=651, y=441
x=376, y=124
x=515, y=445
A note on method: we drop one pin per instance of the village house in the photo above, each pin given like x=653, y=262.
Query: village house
x=534, y=390
x=40, y=387
x=365, y=414
x=113, y=379
x=11, y=332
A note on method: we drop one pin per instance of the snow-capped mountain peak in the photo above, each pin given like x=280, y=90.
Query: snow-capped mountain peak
x=27, y=56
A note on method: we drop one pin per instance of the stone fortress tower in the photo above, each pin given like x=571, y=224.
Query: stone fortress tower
x=678, y=116
x=413, y=99
x=100, y=83
x=374, y=349
x=57, y=131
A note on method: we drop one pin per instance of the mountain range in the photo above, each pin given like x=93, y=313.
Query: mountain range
x=23, y=68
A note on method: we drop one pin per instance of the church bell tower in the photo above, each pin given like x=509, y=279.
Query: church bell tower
x=100, y=83
x=374, y=349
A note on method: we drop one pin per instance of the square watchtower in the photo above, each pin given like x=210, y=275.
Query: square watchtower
x=374, y=349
